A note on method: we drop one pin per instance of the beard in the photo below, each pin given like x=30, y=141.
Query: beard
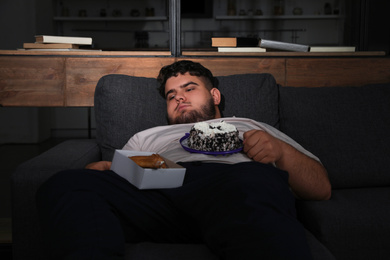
x=206, y=112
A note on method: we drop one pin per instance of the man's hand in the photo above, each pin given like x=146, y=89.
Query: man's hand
x=100, y=166
x=262, y=147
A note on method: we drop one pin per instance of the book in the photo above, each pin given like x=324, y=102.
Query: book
x=63, y=39
x=284, y=46
x=332, y=49
x=54, y=50
x=241, y=49
x=50, y=46
x=234, y=42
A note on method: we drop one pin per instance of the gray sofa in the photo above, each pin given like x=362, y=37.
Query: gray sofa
x=347, y=127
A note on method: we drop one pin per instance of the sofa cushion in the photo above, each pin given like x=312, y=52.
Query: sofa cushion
x=252, y=96
x=346, y=127
x=125, y=105
x=353, y=224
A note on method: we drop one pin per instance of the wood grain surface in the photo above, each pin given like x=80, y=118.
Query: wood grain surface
x=70, y=80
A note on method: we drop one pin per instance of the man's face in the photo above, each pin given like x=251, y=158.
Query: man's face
x=189, y=101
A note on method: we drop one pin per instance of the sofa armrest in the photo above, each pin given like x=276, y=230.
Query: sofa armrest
x=26, y=180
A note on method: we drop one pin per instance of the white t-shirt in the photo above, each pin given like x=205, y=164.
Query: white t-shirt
x=165, y=140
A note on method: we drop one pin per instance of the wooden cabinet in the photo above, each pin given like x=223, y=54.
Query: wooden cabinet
x=69, y=80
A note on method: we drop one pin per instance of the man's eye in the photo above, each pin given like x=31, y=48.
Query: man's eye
x=170, y=97
x=189, y=89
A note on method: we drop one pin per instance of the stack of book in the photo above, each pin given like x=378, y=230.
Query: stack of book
x=242, y=44
x=57, y=43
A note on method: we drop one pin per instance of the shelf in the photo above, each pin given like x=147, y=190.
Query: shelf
x=206, y=52
x=86, y=53
x=109, y=19
x=279, y=17
x=284, y=54
x=225, y=17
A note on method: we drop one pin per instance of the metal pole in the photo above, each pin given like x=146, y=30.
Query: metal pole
x=174, y=27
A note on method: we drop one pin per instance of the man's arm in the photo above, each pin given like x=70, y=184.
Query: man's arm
x=307, y=178
x=132, y=144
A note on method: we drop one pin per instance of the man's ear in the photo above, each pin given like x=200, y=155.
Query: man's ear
x=216, y=94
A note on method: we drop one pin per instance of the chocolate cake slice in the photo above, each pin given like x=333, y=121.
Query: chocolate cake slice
x=214, y=137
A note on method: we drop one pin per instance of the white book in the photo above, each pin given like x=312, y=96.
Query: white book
x=332, y=49
x=241, y=49
x=63, y=39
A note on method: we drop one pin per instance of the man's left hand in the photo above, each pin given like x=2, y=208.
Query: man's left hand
x=100, y=166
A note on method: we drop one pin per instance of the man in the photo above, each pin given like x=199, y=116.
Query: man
x=241, y=206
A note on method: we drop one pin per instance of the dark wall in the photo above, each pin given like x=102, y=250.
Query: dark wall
x=368, y=25
x=377, y=36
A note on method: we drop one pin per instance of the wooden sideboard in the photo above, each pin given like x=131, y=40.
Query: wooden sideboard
x=68, y=79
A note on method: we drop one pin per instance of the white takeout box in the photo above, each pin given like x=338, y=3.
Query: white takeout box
x=145, y=178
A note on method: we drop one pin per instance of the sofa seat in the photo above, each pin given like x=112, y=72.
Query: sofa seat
x=353, y=219
x=154, y=251
x=346, y=127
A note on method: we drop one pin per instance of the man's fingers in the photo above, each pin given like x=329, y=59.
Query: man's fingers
x=101, y=166
x=248, y=134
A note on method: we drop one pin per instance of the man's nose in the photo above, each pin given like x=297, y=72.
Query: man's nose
x=180, y=97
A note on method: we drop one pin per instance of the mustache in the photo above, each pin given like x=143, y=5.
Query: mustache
x=181, y=103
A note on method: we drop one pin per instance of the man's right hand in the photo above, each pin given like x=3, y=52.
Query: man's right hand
x=100, y=166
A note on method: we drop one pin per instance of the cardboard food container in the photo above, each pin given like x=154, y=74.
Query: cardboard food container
x=145, y=178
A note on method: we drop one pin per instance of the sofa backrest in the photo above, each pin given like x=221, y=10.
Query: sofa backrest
x=348, y=128
x=125, y=105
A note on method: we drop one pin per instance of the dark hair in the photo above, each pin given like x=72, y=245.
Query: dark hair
x=182, y=67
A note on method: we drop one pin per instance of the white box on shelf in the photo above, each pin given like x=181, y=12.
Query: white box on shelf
x=145, y=178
